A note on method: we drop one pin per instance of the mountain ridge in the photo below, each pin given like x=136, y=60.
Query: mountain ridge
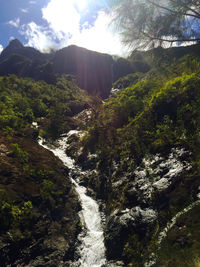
x=94, y=71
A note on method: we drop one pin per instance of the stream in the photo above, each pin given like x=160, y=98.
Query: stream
x=92, y=249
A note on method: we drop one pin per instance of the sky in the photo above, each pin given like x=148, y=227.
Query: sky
x=47, y=24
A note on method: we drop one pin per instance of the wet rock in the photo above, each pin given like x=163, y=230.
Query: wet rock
x=83, y=180
x=132, y=196
x=115, y=264
x=73, y=147
x=120, y=225
x=87, y=162
x=3, y=149
x=157, y=174
x=145, y=192
x=84, y=117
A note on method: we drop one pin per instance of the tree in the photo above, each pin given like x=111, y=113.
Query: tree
x=153, y=23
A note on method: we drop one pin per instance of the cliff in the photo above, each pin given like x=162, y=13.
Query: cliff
x=95, y=72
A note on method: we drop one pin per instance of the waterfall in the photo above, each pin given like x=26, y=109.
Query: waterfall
x=92, y=249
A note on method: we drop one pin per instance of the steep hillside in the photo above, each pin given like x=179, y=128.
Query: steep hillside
x=144, y=142
x=94, y=71
x=38, y=206
x=39, y=221
x=137, y=153
x=15, y=47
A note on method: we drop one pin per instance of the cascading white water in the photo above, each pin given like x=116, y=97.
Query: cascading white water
x=92, y=250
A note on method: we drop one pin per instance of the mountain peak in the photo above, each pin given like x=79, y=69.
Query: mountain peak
x=15, y=44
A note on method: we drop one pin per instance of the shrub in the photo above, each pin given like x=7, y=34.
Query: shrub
x=19, y=153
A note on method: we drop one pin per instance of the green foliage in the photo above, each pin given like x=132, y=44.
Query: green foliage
x=47, y=190
x=133, y=249
x=181, y=246
x=39, y=175
x=147, y=116
x=16, y=214
x=19, y=153
x=47, y=185
x=31, y=195
x=153, y=115
x=12, y=215
x=128, y=80
x=23, y=100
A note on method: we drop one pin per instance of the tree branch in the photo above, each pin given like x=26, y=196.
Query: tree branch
x=170, y=41
x=189, y=8
x=176, y=12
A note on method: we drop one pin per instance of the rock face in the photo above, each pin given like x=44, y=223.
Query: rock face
x=120, y=225
x=93, y=70
x=16, y=47
x=39, y=221
x=157, y=174
x=138, y=202
x=147, y=194
x=122, y=67
x=26, y=62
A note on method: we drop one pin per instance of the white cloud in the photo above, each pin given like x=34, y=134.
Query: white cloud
x=15, y=23
x=62, y=16
x=1, y=48
x=24, y=10
x=38, y=37
x=100, y=37
x=64, y=29
x=11, y=38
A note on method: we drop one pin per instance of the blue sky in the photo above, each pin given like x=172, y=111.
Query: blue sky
x=46, y=24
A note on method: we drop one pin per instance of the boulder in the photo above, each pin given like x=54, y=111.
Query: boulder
x=120, y=225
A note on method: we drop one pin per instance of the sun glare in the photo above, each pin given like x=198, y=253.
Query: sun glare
x=72, y=22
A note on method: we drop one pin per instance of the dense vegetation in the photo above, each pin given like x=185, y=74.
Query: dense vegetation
x=35, y=189
x=158, y=111
x=22, y=101
x=151, y=115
